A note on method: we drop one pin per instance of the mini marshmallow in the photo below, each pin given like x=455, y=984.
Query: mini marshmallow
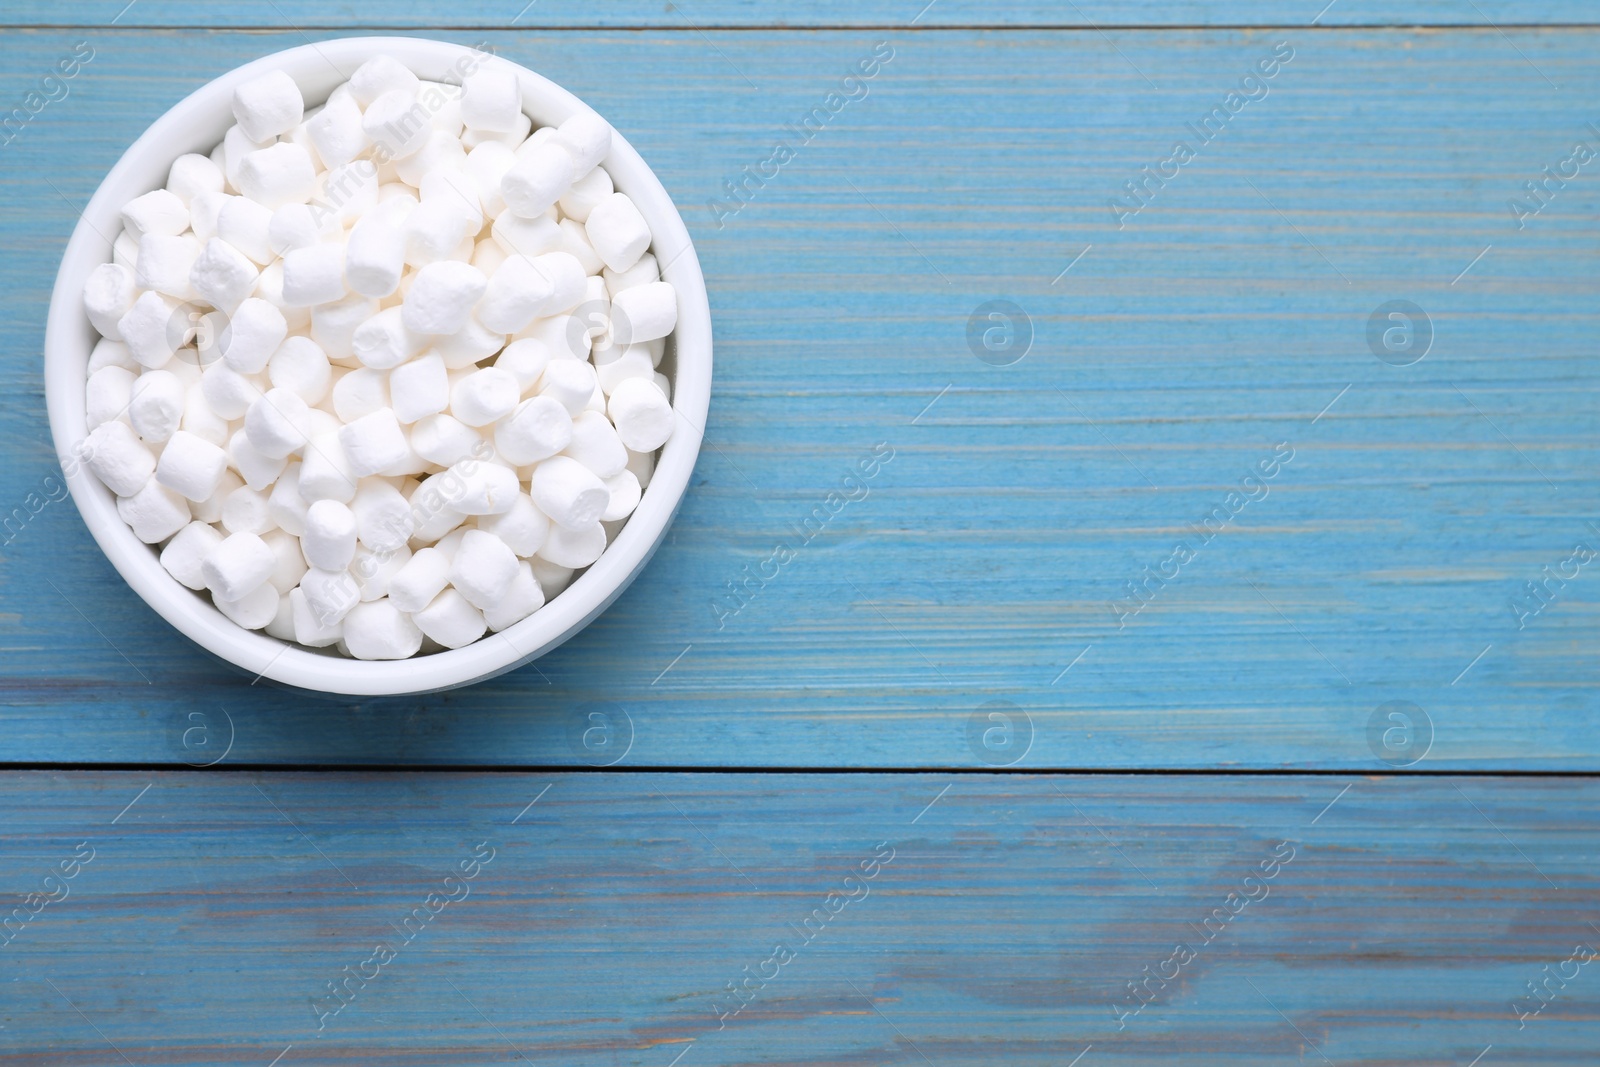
x=244, y=510
x=191, y=466
x=282, y=624
x=345, y=193
x=107, y=396
x=258, y=469
x=282, y=174
x=329, y=595
x=491, y=100
x=643, y=272
x=517, y=292
x=625, y=494
x=618, y=231
x=523, y=598
x=383, y=516
x=253, y=334
x=300, y=366
x=595, y=444
x=585, y=193
x=229, y=393
x=539, y=428
x=586, y=138
x=360, y=393
x=525, y=237
x=336, y=131
x=314, y=275
x=333, y=326
x=480, y=488
x=268, y=106
x=247, y=226
x=109, y=353
x=125, y=251
x=108, y=294
x=185, y=554
x=508, y=140
x=570, y=383
x=379, y=631
x=239, y=565
x=375, y=570
x=419, y=388
x=375, y=257
x=484, y=396
x=468, y=345
x=422, y=579
x=483, y=569
x=575, y=242
x=630, y=362
x=309, y=628
x=526, y=359
x=444, y=440
x=200, y=419
x=289, y=565
x=223, y=275
x=325, y=471
x=574, y=548
x=433, y=231
x=394, y=123
x=155, y=512
x=447, y=184
x=451, y=620
x=301, y=226
x=155, y=404
x=164, y=264
x=383, y=341
x=252, y=611
x=523, y=527
x=441, y=149
x=204, y=211
x=538, y=179
x=118, y=458
x=569, y=493
x=374, y=442
x=380, y=75
x=286, y=506
x=442, y=296
x=487, y=256
x=276, y=422
x=566, y=336
x=641, y=413
x=486, y=164
x=644, y=313
x=191, y=175
x=161, y=212
x=329, y=541
x=552, y=579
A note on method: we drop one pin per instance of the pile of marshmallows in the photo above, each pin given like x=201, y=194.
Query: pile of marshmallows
x=381, y=375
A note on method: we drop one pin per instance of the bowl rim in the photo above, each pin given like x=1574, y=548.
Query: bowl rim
x=69, y=338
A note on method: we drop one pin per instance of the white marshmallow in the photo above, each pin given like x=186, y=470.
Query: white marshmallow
x=571, y=494
x=223, y=275
x=314, y=275
x=191, y=175
x=433, y=231
x=539, y=428
x=254, y=332
x=155, y=404
x=441, y=297
x=204, y=210
x=276, y=423
x=451, y=620
x=396, y=123
x=525, y=237
x=483, y=396
x=286, y=506
x=587, y=139
x=447, y=184
x=345, y=193
x=310, y=629
x=160, y=212
x=360, y=393
x=333, y=326
x=185, y=555
x=375, y=257
x=643, y=272
x=570, y=383
x=379, y=631
x=229, y=393
x=384, y=522
x=575, y=242
x=491, y=99
x=618, y=231
x=289, y=565
x=268, y=106
x=241, y=564
x=419, y=388
x=329, y=540
x=109, y=353
x=552, y=579
x=253, y=610
x=585, y=193
x=630, y=362
x=244, y=510
x=483, y=569
x=526, y=359
x=373, y=443
x=574, y=548
x=191, y=466
x=538, y=179
x=468, y=345
x=486, y=164
x=566, y=281
x=444, y=440
x=643, y=313
x=200, y=419
x=210, y=510
x=487, y=256
x=325, y=471
x=300, y=366
x=164, y=264
x=375, y=570
x=517, y=292
x=282, y=624
x=155, y=512
x=625, y=494
x=247, y=226
x=523, y=527
x=441, y=149
x=508, y=140
x=383, y=341
x=329, y=595
x=301, y=226
x=480, y=487
x=336, y=131
x=595, y=444
x=258, y=469
x=107, y=395
x=282, y=174
x=641, y=413
x=125, y=251
x=108, y=294
x=523, y=598
x=379, y=75
x=417, y=583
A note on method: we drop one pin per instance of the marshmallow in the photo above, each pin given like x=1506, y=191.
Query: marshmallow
x=239, y=565
x=109, y=353
x=396, y=123
x=245, y=511
x=380, y=75
x=419, y=388
x=108, y=294
x=441, y=149
x=279, y=175
x=630, y=362
x=451, y=620
x=569, y=493
x=336, y=131
x=314, y=275
x=155, y=513
x=162, y=212
x=641, y=413
x=107, y=395
x=375, y=570
x=575, y=242
x=384, y=522
x=200, y=419
x=329, y=540
x=526, y=359
x=516, y=293
x=282, y=624
x=383, y=341
x=586, y=138
x=566, y=336
x=309, y=628
x=286, y=506
x=360, y=393
x=210, y=510
x=643, y=272
x=468, y=345
x=595, y=444
x=625, y=494
x=374, y=442
x=484, y=396
x=552, y=579
x=229, y=393
x=507, y=140
x=448, y=185
x=569, y=382
x=539, y=428
x=445, y=440
x=442, y=296
x=523, y=527
x=155, y=403
x=379, y=631
x=301, y=226
x=375, y=256
x=585, y=193
x=486, y=164
x=433, y=231
x=276, y=422
x=566, y=281
x=345, y=193
x=483, y=569
x=223, y=275
x=204, y=210
x=289, y=565
x=253, y=334
x=525, y=237
x=300, y=366
x=191, y=466
x=191, y=175
x=268, y=106
x=491, y=100
x=487, y=256
x=538, y=179
x=618, y=231
x=333, y=326
x=480, y=487
x=574, y=548
x=422, y=578
x=523, y=598
x=253, y=610
x=643, y=313
x=325, y=471
x=164, y=264
x=329, y=595
x=247, y=226
x=185, y=554
x=125, y=251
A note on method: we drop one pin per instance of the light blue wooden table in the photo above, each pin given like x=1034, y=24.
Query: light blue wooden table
x=1064, y=747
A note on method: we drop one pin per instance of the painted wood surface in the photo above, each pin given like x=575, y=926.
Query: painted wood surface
x=994, y=919
x=763, y=14
x=1170, y=355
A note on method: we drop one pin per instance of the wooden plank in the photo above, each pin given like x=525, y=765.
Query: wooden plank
x=1399, y=921
x=279, y=14
x=1227, y=316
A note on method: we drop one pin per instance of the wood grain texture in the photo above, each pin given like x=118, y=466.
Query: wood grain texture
x=1176, y=354
x=1406, y=918
x=766, y=14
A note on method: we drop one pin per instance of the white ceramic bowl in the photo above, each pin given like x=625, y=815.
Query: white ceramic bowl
x=196, y=124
